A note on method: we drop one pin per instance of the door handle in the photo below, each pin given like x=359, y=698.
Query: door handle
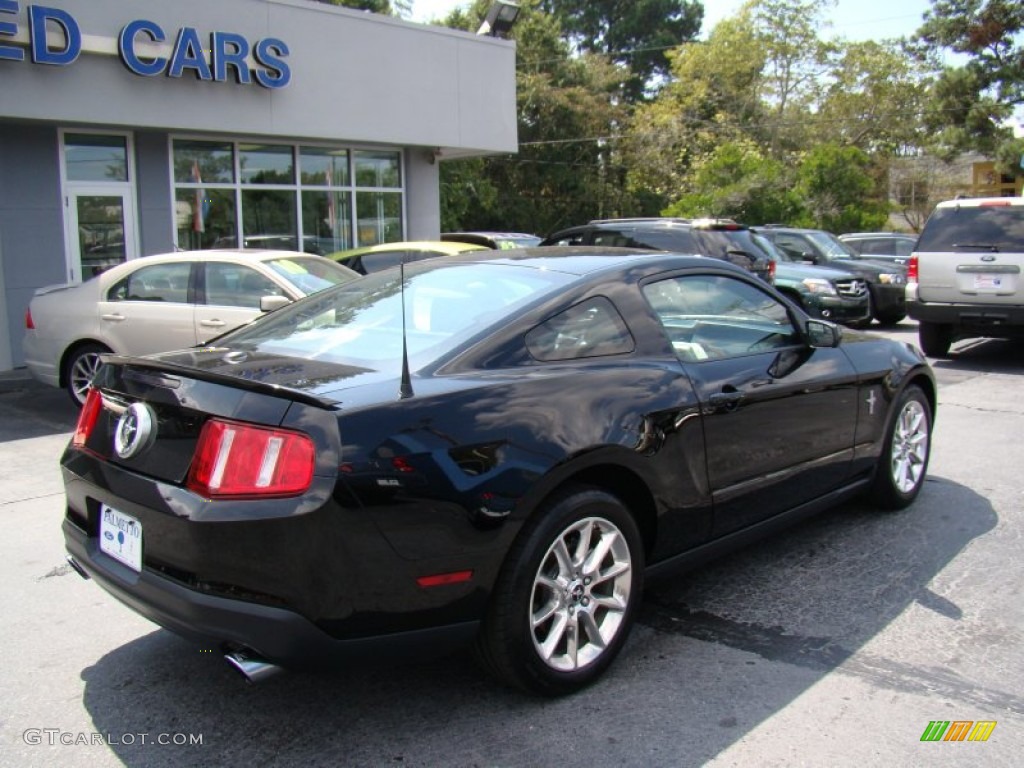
x=113, y=317
x=212, y=323
x=725, y=401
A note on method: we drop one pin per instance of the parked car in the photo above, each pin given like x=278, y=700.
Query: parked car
x=965, y=274
x=374, y=258
x=717, y=238
x=495, y=240
x=881, y=246
x=886, y=282
x=497, y=449
x=826, y=292
x=161, y=302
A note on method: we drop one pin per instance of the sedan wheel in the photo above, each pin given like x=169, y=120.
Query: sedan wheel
x=565, y=600
x=904, y=460
x=82, y=366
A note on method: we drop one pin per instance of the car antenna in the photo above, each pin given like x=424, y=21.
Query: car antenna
x=405, y=388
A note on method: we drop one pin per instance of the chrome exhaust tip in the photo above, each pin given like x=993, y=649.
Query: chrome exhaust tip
x=253, y=668
x=76, y=567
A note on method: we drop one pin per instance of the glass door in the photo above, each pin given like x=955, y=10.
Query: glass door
x=101, y=228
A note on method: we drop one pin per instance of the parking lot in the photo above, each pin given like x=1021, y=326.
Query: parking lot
x=834, y=643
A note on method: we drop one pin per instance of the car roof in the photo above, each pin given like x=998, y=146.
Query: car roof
x=853, y=235
x=584, y=260
x=440, y=246
x=978, y=202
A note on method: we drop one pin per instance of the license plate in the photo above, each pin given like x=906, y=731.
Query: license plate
x=991, y=282
x=121, y=537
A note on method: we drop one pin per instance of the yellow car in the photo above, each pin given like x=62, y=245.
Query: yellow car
x=374, y=258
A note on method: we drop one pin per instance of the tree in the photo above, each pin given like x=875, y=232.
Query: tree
x=875, y=99
x=566, y=169
x=713, y=98
x=634, y=33
x=738, y=181
x=373, y=6
x=973, y=101
x=838, y=190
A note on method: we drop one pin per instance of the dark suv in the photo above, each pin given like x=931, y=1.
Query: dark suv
x=833, y=294
x=822, y=292
x=886, y=282
x=718, y=238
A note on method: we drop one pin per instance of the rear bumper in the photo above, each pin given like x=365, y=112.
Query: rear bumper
x=984, y=320
x=279, y=635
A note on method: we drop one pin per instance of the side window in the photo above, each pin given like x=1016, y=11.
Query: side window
x=708, y=317
x=236, y=285
x=793, y=245
x=592, y=328
x=614, y=238
x=156, y=282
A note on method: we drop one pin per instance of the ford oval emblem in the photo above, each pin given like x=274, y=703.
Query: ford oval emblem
x=135, y=430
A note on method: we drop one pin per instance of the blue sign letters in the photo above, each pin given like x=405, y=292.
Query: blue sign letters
x=227, y=51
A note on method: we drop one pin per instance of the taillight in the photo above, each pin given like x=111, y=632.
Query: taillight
x=87, y=417
x=912, y=270
x=29, y=325
x=771, y=271
x=234, y=459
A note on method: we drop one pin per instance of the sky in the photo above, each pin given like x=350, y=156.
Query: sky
x=851, y=19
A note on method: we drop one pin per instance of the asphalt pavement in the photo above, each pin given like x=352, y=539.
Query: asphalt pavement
x=835, y=643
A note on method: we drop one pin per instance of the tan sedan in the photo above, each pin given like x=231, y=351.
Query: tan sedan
x=160, y=303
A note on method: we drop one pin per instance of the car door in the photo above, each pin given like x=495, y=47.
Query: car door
x=149, y=310
x=229, y=296
x=779, y=416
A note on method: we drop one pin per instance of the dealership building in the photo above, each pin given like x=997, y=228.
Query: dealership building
x=134, y=127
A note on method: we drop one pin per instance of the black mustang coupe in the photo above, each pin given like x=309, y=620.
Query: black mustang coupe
x=492, y=449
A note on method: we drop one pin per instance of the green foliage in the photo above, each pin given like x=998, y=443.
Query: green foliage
x=737, y=181
x=374, y=6
x=838, y=191
x=634, y=33
x=971, y=102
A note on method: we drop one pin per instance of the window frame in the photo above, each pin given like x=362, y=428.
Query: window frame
x=345, y=191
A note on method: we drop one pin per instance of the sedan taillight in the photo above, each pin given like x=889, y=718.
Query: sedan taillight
x=234, y=459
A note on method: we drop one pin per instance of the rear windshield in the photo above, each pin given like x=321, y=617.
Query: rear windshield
x=973, y=228
x=361, y=322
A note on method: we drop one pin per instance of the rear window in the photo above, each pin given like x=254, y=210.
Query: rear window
x=972, y=228
x=361, y=322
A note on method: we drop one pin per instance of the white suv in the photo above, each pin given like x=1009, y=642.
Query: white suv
x=964, y=276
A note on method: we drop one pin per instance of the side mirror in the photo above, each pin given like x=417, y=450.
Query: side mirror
x=270, y=303
x=820, y=334
x=809, y=258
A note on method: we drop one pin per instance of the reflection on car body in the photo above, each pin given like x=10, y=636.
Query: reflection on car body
x=573, y=420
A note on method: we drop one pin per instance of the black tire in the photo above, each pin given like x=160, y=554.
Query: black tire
x=81, y=366
x=903, y=463
x=556, y=621
x=935, y=338
x=893, y=318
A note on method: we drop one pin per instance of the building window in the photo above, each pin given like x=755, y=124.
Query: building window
x=280, y=195
x=95, y=157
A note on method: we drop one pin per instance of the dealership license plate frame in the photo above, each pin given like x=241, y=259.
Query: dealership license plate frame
x=121, y=537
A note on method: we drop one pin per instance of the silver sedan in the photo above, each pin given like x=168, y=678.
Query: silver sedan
x=160, y=303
